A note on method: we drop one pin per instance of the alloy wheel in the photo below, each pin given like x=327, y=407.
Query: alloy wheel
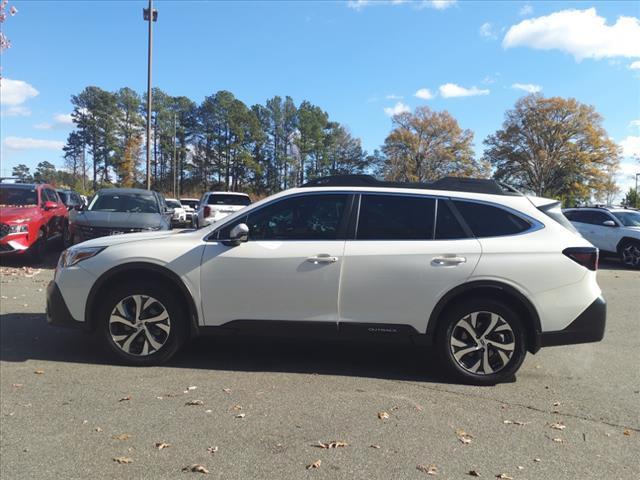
x=139, y=325
x=482, y=343
x=631, y=255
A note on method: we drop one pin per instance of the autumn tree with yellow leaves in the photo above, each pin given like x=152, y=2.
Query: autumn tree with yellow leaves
x=554, y=147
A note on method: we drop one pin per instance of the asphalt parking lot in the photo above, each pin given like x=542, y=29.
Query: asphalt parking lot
x=245, y=409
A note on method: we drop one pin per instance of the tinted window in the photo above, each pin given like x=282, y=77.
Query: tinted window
x=488, y=221
x=395, y=217
x=173, y=204
x=554, y=211
x=124, y=202
x=628, y=219
x=311, y=217
x=222, y=199
x=50, y=196
x=18, y=196
x=589, y=216
x=447, y=225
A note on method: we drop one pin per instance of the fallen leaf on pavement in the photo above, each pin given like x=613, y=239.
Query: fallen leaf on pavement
x=97, y=429
x=161, y=445
x=333, y=444
x=375, y=446
x=383, y=415
x=240, y=415
x=192, y=387
x=212, y=450
x=627, y=432
x=122, y=460
x=194, y=402
x=237, y=407
x=473, y=473
x=558, y=440
x=39, y=372
x=226, y=390
x=197, y=468
x=428, y=469
x=315, y=464
x=125, y=399
x=504, y=476
x=514, y=422
x=122, y=436
x=463, y=436
x=537, y=460
x=17, y=385
x=558, y=425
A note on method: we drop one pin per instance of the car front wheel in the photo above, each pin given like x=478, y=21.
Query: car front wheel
x=481, y=342
x=630, y=254
x=142, y=325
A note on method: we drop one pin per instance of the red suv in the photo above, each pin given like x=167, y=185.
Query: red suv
x=30, y=216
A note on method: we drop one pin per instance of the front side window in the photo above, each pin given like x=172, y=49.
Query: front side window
x=628, y=219
x=50, y=196
x=124, y=202
x=395, y=217
x=310, y=217
x=489, y=221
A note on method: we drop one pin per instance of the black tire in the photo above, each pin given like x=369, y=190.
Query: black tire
x=166, y=298
x=498, y=370
x=630, y=254
x=37, y=249
x=66, y=237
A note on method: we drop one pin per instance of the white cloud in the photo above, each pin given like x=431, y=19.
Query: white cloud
x=15, y=92
x=486, y=30
x=631, y=146
x=60, y=120
x=358, y=5
x=424, y=94
x=526, y=10
x=397, y=109
x=581, y=33
x=634, y=123
x=393, y=96
x=63, y=118
x=438, y=4
x=527, y=87
x=15, y=111
x=635, y=65
x=27, y=143
x=451, y=90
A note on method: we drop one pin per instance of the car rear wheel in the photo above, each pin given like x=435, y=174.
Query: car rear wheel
x=142, y=325
x=481, y=342
x=630, y=254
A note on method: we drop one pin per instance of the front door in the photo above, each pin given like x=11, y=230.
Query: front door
x=289, y=269
x=399, y=265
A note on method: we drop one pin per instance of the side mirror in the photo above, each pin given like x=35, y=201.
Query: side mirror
x=609, y=223
x=238, y=234
x=49, y=205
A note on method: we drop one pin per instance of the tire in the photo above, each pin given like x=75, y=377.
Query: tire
x=67, y=241
x=485, y=363
x=136, y=343
x=37, y=249
x=630, y=254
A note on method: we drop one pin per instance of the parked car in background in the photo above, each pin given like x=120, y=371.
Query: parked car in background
x=614, y=230
x=30, y=217
x=214, y=206
x=190, y=206
x=70, y=198
x=471, y=267
x=115, y=211
x=179, y=215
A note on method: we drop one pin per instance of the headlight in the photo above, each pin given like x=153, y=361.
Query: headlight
x=74, y=255
x=22, y=228
x=151, y=229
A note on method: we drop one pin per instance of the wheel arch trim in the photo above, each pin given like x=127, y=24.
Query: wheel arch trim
x=166, y=274
x=625, y=239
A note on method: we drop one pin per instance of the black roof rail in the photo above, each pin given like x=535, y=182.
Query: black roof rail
x=459, y=184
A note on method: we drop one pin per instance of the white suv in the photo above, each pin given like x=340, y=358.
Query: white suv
x=215, y=206
x=479, y=271
x=615, y=231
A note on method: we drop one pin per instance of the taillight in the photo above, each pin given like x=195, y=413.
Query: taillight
x=585, y=256
x=207, y=211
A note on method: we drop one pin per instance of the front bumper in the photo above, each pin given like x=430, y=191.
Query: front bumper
x=14, y=244
x=587, y=327
x=58, y=313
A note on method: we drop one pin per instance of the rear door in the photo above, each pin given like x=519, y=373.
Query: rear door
x=407, y=252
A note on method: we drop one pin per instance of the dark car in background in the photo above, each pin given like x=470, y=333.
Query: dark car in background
x=115, y=211
x=70, y=198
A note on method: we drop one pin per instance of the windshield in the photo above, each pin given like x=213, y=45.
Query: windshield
x=190, y=203
x=18, y=196
x=128, y=202
x=173, y=204
x=223, y=199
x=628, y=219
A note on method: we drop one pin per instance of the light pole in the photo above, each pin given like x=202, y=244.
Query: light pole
x=637, y=199
x=175, y=159
x=150, y=15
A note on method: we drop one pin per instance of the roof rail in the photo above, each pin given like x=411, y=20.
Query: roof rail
x=459, y=184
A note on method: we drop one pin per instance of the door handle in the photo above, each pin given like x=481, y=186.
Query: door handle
x=447, y=261
x=322, y=258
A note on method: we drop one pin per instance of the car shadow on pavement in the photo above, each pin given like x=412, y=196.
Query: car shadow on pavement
x=26, y=336
x=610, y=263
x=18, y=261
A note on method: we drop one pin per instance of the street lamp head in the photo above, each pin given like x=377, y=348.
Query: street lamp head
x=145, y=14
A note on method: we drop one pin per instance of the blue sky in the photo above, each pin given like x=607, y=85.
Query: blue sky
x=357, y=60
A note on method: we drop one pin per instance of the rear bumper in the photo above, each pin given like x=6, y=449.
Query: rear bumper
x=58, y=313
x=587, y=327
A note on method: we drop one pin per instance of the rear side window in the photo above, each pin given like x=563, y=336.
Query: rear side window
x=447, y=225
x=396, y=217
x=489, y=221
x=222, y=199
x=554, y=211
